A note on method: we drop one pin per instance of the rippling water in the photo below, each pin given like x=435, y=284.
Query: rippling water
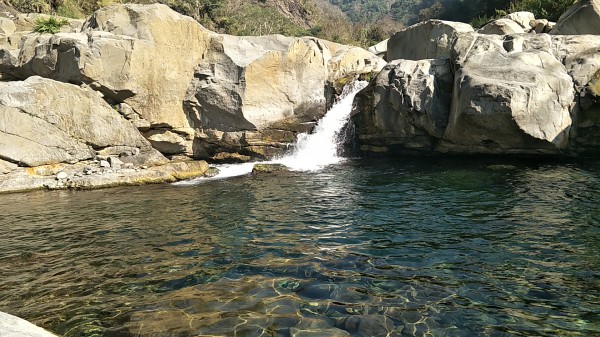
x=414, y=247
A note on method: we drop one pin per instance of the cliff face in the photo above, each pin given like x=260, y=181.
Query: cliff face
x=176, y=89
x=488, y=92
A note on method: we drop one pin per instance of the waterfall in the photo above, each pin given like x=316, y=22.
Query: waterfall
x=319, y=149
x=312, y=151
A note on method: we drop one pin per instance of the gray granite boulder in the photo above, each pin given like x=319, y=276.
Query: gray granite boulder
x=502, y=27
x=406, y=106
x=582, y=18
x=49, y=122
x=426, y=40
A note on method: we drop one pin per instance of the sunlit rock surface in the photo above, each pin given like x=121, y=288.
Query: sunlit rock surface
x=582, y=18
x=426, y=40
x=12, y=326
x=132, y=54
x=49, y=122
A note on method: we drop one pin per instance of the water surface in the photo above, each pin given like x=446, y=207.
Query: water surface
x=371, y=247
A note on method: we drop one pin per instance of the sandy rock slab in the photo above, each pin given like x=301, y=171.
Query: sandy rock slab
x=12, y=326
x=97, y=175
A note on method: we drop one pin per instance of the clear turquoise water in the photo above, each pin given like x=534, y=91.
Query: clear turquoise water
x=373, y=247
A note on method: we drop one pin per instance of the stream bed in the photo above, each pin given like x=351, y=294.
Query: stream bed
x=369, y=247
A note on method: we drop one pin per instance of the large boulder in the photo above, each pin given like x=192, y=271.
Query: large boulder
x=519, y=94
x=379, y=49
x=522, y=19
x=251, y=92
x=406, y=106
x=132, y=54
x=580, y=55
x=582, y=18
x=248, y=83
x=348, y=61
x=509, y=97
x=426, y=40
x=48, y=122
x=502, y=27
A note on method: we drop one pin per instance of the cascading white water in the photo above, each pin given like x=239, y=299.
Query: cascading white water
x=319, y=149
x=312, y=151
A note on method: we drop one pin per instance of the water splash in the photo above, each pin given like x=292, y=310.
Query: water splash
x=312, y=151
x=321, y=148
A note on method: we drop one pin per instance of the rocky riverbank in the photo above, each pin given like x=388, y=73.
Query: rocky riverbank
x=518, y=85
x=148, y=87
x=145, y=89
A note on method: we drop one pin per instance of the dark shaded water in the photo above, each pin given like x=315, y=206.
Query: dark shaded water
x=433, y=247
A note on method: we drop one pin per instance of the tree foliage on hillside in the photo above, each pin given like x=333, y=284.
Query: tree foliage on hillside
x=412, y=11
x=359, y=22
x=241, y=17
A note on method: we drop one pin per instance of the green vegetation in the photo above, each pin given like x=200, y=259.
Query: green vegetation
x=242, y=17
x=547, y=9
x=477, y=11
x=49, y=25
x=359, y=22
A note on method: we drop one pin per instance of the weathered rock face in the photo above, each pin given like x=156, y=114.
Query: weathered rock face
x=379, y=49
x=132, y=54
x=252, y=93
x=6, y=167
x=511, y=94
x=427, y=40
x=406, y=106
x=48, y=122
x=582, y=18
x=502, y=27
x=523, y=19
x=248, y=83
x=579, y=54
x=509, y=102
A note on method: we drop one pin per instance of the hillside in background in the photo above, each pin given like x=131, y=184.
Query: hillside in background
x=240, y=17
x=357, y=22
x=408, y=12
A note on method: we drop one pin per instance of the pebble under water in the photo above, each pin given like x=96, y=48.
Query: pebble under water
x=370, y=247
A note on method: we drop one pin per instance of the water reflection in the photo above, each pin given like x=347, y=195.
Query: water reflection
x=365, y=249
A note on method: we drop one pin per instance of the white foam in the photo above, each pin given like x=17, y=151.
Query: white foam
x=312, y=151
x=321, y=148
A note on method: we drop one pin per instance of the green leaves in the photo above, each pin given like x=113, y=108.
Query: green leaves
x=542, y=9
x=49, y=25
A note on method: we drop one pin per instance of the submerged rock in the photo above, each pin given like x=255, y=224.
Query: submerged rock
x=369, y=326
x=268, y=168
